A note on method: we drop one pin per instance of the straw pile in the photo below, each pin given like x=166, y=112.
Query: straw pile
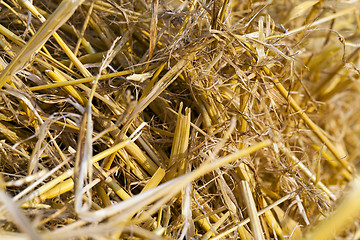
x=178, y=119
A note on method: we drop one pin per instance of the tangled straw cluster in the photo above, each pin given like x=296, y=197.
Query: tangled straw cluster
x=179, y=119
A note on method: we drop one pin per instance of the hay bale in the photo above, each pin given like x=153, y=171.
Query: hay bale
x=179, y=119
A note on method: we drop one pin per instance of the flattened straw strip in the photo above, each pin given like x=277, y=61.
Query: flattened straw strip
x=193, y=125
x=155, y=179
x=10, y=135
x=59, y=17
x=251, y=209
x=180, y=144
x=153, y=27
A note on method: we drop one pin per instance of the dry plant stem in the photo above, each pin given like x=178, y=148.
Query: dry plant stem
x=152, y=81
x=208, y=234
x=103, y=195
x=331, y=82
x=13, y=37
x=41, y=179
x=30, y=111
x=325, y=155
x=317, y=130
x=155, y=179
x=59, y=189
x=83, y=161
x=46, y=191
x=185, y=22
x=82, y=32
x=269, y=207
x=59, y=17
x=178, y=161
x=153, y=27
x=160, y=86
x=118, y=190
x=272, y=221
x=169, y=189
x=223, y=11
x=62, y=44
x=251, y=209
x=52, y=216
x=48, y=186
x=216, y=74
x=345, y=213
x=58, y=77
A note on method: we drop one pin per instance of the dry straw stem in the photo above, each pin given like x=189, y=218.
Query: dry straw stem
x=86, y=80
x=211, y=80
x=178, y=162
x=62, y=44
x=58, y=18
x=251, y=209
x=242, y=223
x=171, y=188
